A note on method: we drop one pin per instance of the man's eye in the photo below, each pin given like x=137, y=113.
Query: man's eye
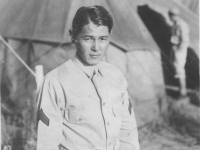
x=103, y=39
x=88, y=39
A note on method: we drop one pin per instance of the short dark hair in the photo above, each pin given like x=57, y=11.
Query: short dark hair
x=96, y=14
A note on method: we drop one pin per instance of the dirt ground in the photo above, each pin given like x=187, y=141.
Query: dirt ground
x=179, y=129
x=166, y=138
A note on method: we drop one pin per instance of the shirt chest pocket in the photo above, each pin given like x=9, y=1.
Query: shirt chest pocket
x=117, y=106
x=74, y=113
x=116, y=95
x=78, y=109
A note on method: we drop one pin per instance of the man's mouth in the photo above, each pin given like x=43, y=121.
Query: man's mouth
x=95, y=55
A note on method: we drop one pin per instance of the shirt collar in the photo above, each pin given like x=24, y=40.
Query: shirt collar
x=88, y=70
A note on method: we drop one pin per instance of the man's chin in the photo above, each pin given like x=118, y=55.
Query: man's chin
x=94, y=62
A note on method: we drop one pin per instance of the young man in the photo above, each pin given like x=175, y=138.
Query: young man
x=83, y=104
x=180, y=43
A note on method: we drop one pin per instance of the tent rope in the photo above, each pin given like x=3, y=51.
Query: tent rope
x=18, y=57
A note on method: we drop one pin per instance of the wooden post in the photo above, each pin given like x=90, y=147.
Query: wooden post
x=39, y=75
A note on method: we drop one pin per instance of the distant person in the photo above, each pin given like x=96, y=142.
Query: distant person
x=180, y=43
x=84, y=104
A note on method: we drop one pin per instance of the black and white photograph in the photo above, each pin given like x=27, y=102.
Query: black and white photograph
x=99, y=75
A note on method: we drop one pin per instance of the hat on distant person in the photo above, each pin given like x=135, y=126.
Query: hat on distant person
x=174, y=11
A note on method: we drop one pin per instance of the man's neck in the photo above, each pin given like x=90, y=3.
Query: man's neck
x=82, y=61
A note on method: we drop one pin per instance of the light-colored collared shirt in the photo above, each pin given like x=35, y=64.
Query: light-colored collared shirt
x=73, y=116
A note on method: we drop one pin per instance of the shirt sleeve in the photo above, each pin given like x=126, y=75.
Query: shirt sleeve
x=49, y=129
x=128, y=131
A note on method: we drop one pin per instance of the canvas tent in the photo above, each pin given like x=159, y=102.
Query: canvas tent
x=38, y=31
x=49, y=21
x=162, y=6
x=155, y=16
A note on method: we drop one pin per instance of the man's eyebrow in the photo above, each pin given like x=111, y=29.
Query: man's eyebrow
x=104, y=36
x=87, y=36
x=90, y=36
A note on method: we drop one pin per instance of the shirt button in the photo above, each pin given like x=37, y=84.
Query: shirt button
x=108, y=123
x=80, y=119
x=104, y=104
x=110, y=143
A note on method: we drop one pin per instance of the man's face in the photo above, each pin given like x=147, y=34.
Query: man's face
x=92, y=43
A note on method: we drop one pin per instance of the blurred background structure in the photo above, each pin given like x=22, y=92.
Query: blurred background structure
x=38, y=32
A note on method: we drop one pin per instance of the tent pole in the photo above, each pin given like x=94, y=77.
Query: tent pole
x=18, y=57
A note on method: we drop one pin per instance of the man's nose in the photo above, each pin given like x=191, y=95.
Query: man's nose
x=95, y=46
